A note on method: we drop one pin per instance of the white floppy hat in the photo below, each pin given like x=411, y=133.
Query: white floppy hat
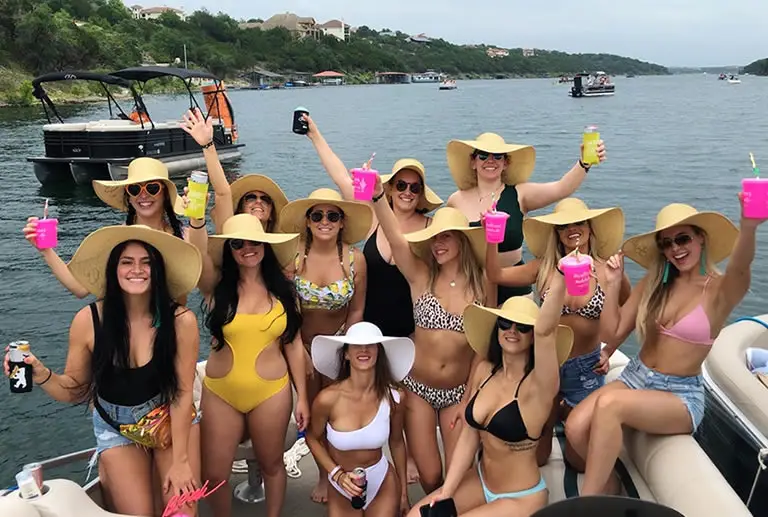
x=400, y=351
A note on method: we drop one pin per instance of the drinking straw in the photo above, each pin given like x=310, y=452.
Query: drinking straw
x=45, y=209
x=755, y=170
x=367, y=165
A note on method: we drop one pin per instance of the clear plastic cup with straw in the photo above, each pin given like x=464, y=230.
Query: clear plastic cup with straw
x=47, y=231
x=755, y=192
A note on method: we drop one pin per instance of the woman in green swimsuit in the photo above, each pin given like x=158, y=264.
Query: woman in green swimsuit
x=488, y=169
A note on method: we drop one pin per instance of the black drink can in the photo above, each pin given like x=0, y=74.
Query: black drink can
x=360, y=480
x=21, y=372
x=300, y=126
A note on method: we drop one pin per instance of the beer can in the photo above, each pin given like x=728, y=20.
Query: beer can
x=36, y=470
x=20, y=376
x=359, y=478
x=18, y=350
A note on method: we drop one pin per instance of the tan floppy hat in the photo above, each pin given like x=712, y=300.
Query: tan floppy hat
x=357, y=216
x=140, y=170
x=479, y=322
x=248, y=227
x=183, y=262
x=522, y=159
x=429, y=200
x=721, y=233
x=251, y=182
x=607, y=226
x=447, y=219
x=400, y=351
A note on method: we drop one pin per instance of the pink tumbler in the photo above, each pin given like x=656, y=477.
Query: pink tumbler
x=495, y=227
x=755, y=197
x=577, y=270
x=364, y=181
x=46, y=233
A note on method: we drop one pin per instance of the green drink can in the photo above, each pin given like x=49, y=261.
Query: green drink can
x=591, y=138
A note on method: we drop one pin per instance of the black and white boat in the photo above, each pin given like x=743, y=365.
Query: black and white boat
x=102, y=149
x=597, y=84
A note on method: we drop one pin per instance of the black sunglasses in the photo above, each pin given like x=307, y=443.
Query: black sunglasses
x=256, y=197
x=565, y=226
x=152, y=188
x=681, y=240
x=333, y=217
x=237, y=244
x=505, y=324
x=415, y=188
x=484, y=156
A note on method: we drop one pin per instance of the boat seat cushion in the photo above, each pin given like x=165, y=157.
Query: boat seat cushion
x=15, y=506
x=74, y=126
x=66, y=498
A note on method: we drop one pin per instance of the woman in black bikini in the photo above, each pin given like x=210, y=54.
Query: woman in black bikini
x=522, y=347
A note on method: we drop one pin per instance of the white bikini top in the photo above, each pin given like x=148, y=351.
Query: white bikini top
x=370, y=437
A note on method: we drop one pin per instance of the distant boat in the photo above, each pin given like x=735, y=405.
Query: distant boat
x=597, y=84
x=734, y=80
x=450, y=84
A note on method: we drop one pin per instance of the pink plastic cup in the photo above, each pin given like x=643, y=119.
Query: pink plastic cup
x=364, y=180
x=577, y=271
x=495, y=227
x=755, y=197
x=46, y=233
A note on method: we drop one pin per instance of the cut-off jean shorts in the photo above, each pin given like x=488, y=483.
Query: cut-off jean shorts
x=578, y=379
x=690, y=390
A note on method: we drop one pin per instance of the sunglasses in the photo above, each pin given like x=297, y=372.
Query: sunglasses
x=257, y=197
x=237, y=244
x=562, y=227
x=681, y=240
x=401, y=185
x=333, y=217
x=507, y=324
x=484, y=156
x=152, y=188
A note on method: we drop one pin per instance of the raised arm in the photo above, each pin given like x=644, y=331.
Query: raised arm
x=295, y=356
x=547, y=370
x=512, y=276
x=617, y=321
x=534, y=196
x=331, y=162
x=357, y=304
x=409, y=264
x=198, y=236
x=58, y=267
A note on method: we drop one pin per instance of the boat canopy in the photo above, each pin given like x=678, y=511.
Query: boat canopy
x=147, y=73
x=79, y=76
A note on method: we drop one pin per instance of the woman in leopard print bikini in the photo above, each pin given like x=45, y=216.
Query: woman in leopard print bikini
x=597, y=233
x=443, y=265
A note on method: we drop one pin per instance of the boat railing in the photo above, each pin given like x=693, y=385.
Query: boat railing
x=61, y=461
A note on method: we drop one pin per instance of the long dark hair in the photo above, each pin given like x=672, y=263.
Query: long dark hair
x=170, y=215
x=495, y=353
x=114, y=347
x=383, y=380
x=226, y=297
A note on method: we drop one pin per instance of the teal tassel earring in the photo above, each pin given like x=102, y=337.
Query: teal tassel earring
x=703, y=266
x=665, y=278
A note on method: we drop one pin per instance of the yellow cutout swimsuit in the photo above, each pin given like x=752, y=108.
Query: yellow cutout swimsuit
x=248, y=335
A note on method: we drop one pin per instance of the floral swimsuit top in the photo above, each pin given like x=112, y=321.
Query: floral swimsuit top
x=330, y=297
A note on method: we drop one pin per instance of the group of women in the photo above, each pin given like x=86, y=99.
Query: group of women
x=423, y=327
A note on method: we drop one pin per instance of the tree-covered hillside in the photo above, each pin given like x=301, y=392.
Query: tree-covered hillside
x=759, y=67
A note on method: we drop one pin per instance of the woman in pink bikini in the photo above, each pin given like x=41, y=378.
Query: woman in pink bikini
x=678, y=309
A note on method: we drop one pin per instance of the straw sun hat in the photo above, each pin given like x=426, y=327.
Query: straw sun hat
x=721, y=233
x=429, y=200
x=480, y=321
x=357, y=216
x=251, y=182
x=447, y=219
x=183, y=262
x=607, y=225
x=248, y=227
x=400, y=351
x=140, y=170
x=522, y=159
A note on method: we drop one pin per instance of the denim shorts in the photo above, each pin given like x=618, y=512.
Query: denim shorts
x=638, y=376
x=107, y=436
x=578, y=379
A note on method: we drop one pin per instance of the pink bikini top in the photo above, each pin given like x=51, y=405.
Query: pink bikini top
x=694, y=327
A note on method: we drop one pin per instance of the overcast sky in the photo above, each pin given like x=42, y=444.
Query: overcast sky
x=668, y=32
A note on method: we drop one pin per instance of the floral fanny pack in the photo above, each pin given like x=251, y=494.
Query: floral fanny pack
x=152, y=431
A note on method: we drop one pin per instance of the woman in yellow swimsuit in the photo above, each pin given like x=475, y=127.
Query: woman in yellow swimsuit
x=329, y=275
x=253, y=316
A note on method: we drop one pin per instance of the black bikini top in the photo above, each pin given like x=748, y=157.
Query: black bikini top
x=507, y=423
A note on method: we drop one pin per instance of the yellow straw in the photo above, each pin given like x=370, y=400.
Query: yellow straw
x=752, y=158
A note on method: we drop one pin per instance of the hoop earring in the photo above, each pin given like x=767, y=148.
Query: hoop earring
x=703, y=266
x=665, y=278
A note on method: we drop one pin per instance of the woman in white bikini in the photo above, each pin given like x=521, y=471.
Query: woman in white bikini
x=353, y=418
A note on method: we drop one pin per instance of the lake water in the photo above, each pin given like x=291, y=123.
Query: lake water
x=669, y=139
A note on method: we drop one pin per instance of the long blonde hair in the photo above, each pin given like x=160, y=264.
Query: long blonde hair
x=469, y=266
x=556, y=251
x=656, y=291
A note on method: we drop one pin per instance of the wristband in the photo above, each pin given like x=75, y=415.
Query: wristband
x=584, y=166
x=335, y=471
x=376, y=198
x=197, y=227
x=206, y=146
x=50, y=374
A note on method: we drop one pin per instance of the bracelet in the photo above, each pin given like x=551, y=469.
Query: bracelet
x=335, y=471
x=206, y=146
x=584, y=166
x=560, y=271
x=50, y=374
x=197, y=227
x=376, y=198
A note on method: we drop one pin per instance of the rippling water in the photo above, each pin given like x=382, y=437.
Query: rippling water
x=669, y=139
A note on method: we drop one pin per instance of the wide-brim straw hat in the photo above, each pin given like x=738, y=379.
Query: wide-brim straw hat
x=448, y=219
x=479, y=322
x=140, y=170
x=522, y=159
x=357, y=216
x=252, y=182
x=183, y=262
x=607, y=226
x=721, y=234
x=428, y=200
x=400, y=351
x=249, y=228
